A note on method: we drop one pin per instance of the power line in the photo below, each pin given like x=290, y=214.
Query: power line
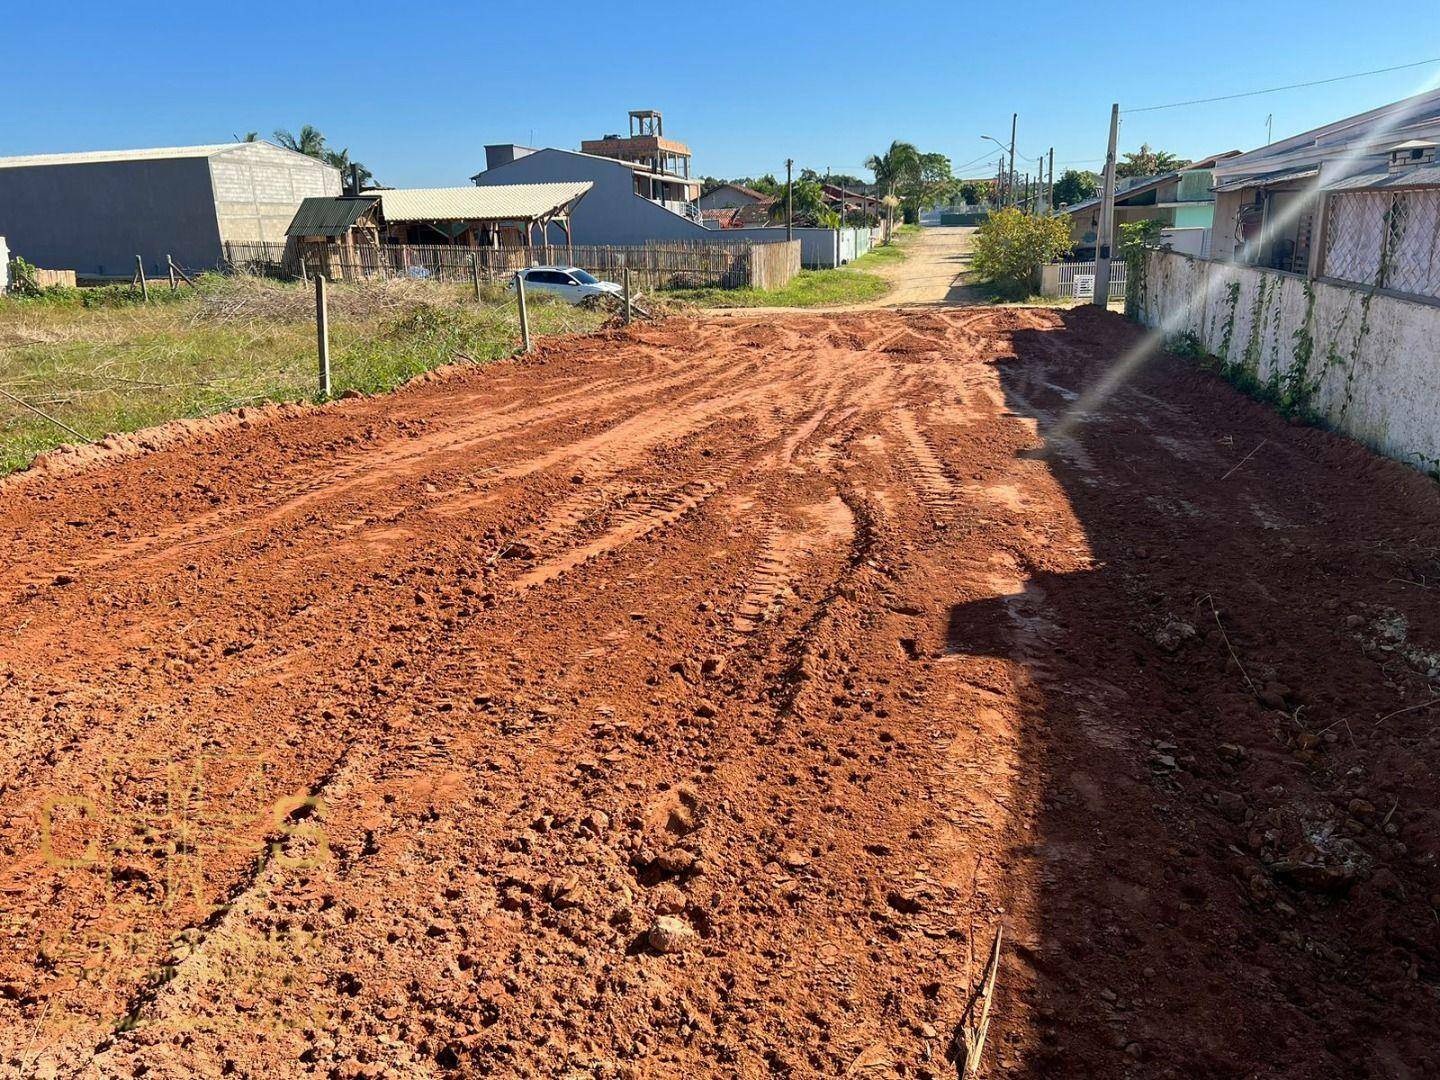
x=1291, y=86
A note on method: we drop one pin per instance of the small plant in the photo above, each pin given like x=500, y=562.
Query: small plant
x=1136, y=238
x=1010, y=247
x=1186, y=345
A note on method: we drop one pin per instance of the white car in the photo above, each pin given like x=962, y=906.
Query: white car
x=570, y=283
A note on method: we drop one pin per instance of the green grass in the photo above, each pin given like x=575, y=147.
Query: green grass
x=851, y=284
x=104, y=363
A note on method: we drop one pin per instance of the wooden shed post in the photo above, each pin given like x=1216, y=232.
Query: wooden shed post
x=322, y=334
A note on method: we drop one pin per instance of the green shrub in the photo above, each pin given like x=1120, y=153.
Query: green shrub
x=1010, y=247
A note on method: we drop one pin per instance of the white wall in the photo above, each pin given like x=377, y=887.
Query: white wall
x=1365, y=363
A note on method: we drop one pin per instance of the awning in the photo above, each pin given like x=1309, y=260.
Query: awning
x=493, y=202
x=1284, y=176
x=1419, y=176
x=329, y=215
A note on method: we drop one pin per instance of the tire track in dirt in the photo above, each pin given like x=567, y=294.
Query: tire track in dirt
x=532, y=758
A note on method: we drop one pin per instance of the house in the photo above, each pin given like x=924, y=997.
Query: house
x=646, y=145
x=95, y=211
x=733, y=197
x=852, y=202
x=1354, y=200
x=1181, y=200
x=735, y=206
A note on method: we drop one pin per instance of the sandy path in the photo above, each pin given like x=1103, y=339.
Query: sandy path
x=929, y=276
x=406, y=738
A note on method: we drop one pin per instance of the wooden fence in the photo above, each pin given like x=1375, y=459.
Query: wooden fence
x=652, y=266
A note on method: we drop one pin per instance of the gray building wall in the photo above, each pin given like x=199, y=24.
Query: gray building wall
x=258, y=188
x=610, y=212
x=95, y=217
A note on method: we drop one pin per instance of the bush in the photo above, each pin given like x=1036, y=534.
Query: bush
x=1010, y=247
x=22, y=278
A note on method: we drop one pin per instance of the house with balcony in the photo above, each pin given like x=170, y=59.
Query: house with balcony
x=640, y=186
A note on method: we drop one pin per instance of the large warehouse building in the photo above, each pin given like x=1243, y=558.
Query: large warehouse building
x=94, y=212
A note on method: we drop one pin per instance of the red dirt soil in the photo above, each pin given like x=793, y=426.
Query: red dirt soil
x=699, y=700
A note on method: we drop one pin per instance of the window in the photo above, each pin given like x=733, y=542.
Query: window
x=583, y=278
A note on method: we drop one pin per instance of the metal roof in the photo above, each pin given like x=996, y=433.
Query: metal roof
x=1280, y=176
x=329, y=215
x=89, y=157
x=494, y=202
x=1419, y=176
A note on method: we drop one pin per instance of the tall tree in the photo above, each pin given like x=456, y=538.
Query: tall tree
x=1149, y=162
x=891, y=168
x=1076, y=185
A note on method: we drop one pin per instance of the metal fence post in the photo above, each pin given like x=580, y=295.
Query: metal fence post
x=524, y=313
x=322, y=334
x=144, y=285
x=627, y=296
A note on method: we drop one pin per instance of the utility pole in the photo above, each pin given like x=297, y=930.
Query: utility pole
x=789, y=200
x=1050, y=187
x=1105, y=234
x=1013, y=118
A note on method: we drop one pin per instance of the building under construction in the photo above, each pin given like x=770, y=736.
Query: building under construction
x=646, y=145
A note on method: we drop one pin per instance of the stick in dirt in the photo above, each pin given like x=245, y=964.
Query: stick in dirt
x=972, y=1035
x=140, y=277
x=47, y=416
x=524, y=313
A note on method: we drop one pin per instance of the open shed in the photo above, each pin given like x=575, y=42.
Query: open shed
x=505, y=215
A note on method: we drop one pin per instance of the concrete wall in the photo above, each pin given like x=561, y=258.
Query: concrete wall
x=258, y=188
x=96, y=217
x=1364, y=362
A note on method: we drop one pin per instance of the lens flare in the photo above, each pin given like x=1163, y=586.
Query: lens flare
x=1154, y=339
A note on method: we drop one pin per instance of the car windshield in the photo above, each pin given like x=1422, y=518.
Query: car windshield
x=584, y=278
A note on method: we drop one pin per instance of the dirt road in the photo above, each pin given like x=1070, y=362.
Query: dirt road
x=699, y=701
x=935, y=262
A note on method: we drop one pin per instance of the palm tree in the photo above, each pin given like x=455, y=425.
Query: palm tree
x=309, y=142
x=890, y=169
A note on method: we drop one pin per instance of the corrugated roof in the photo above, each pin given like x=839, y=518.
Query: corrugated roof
x=494, y=202
x=328, y=215
x=88, y=157
x=1419, y=176
x=1266, y=179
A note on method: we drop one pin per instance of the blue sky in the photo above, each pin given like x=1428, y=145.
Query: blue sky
x=416, y=91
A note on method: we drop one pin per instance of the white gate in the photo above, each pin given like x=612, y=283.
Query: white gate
x=1070, y=271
